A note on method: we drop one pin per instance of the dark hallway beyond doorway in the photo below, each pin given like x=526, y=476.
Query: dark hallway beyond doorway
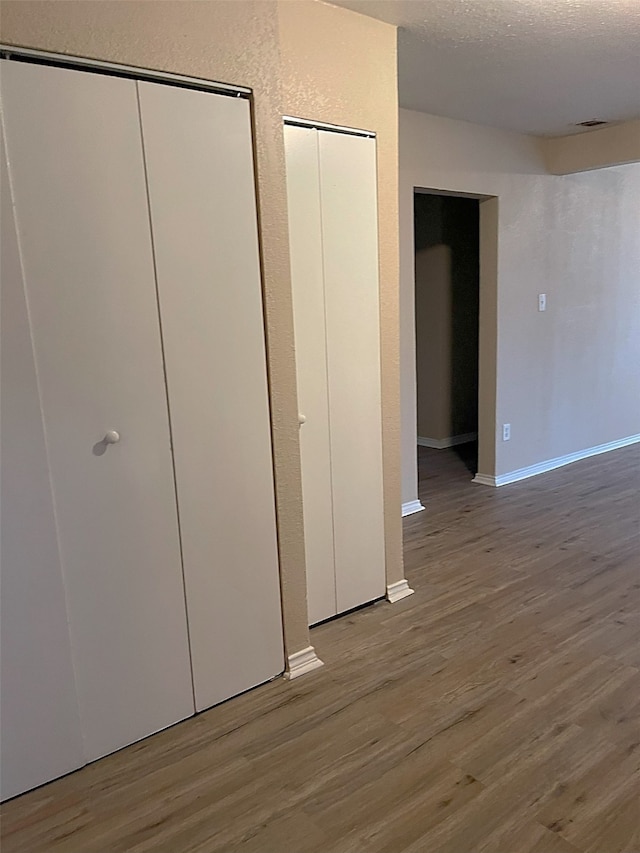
x=447, y=318
x=442, y=470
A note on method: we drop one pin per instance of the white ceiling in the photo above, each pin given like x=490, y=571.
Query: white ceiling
x=535, y=66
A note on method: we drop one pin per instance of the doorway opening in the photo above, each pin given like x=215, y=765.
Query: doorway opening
x=447, y=324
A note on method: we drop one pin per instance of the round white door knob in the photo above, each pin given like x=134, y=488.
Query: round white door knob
x=112, y=437
x=302, y=419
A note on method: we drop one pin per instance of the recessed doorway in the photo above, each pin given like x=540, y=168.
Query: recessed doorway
x=455, y=330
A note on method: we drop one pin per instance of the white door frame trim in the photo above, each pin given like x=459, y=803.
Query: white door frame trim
x=411, y=507
x=82, y=63
x=487, y=322
x=323, y=125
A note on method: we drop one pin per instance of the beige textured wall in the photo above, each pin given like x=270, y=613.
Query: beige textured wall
x=595, y=149
x=488, y=333
x=568, y=378
x=239, y=43
x=340, y=67
x=433, y=341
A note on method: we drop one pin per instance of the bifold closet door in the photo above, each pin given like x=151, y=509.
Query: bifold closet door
x=331, y=180
x=348, y=188
x=202, y=198
x=78, y=181
x=40, y=734
x=307, y=274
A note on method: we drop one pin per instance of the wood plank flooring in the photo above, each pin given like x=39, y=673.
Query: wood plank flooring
x=495, y=711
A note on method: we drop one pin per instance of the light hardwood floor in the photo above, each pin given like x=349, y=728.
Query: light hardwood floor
x=495, y=711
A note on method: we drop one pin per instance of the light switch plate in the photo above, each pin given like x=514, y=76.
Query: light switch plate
x=542, y=302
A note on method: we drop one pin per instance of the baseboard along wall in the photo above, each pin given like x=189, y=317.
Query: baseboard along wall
x=552, y=464
x=302, y=662
x=451, y=441
x=398, y=590
x=410, y=507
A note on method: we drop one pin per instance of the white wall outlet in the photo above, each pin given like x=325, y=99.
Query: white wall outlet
x=506, y=432
x=542, y=302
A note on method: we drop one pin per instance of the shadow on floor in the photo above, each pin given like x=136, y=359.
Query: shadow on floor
x=468, y=454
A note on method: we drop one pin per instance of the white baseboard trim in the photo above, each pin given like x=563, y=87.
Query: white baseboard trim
x=398, y=590
x=552, y=464
x=300, y=663
x=410, y=507
x=484, y=480
x=452, y=441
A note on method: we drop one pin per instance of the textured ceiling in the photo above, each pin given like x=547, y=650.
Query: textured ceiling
x=535, y=66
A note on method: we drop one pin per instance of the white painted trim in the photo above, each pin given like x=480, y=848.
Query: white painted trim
x=81, y=62
x=451, y=441
x=484, y=480
x=552, y=464
x=322, y=125
x=398, y=590
x=300, y=663
x=411, y=507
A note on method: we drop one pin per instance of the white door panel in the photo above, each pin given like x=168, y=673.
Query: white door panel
x=350, y=251
x=305, y=233
x=77, y=169
x=201, y=189
x=331, y=181
x=40, y=737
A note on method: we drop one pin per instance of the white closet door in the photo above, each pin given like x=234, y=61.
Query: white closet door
x=201, y=190
x=77, y=170
x=331, y=182
x=350, y=252
x=40, y=736
x=305, y=239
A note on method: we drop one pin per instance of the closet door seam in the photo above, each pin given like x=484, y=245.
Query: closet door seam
x=326, y=365
x=166, y=388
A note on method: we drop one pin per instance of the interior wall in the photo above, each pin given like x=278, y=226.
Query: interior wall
x=446, y=278
x=433, y=341
x=614, y=145
x=567, y=379
x=240, y=43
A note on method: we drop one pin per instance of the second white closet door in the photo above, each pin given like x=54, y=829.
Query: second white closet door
x=307, y=274
x=331, y=180
x=348, y=190
x=201, y=191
